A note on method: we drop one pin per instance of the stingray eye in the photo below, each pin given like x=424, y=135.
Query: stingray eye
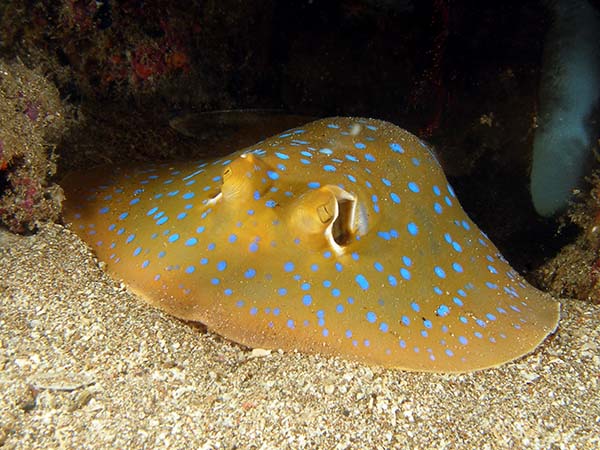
x=245, y=176
x=326, y=217
x=326, y=213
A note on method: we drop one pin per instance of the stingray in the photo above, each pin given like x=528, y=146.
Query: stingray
x=341, y=237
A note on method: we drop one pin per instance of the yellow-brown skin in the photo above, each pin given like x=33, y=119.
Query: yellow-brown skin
x=344, y=243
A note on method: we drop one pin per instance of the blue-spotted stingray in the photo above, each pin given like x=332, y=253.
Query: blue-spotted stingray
x=342, y=237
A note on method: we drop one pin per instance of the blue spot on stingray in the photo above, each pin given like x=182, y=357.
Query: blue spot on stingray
x=329, y=168
x=369, y=157
x=162, y=254
x=371, y=317
x=463, y=340
x=415, y=306
x=181, y=216
x=396, y=147
x=386, y=182
x=405, y=320
x=137, y=251
x=272, y=175
x=383, y=327
x=427, y=323
x=200, y=229
x=314, y=184
x=282, y=155
x=307, y=300
x=288, y=266
x=104, y=210
x=305, y=286
x=190, y=269
x=362, y=281
x=188, y=195
x=405, y=273
x=360, y=146
x=221, y=266
x=211, y=246
x=437, y=208
x=395, y=198
x=457, y=267
x=250, y=273
x=162, y=220
x=352, y=178
x=442, y=311
x=145, y=264
x=436, y=190
x=352, y=158
x=270, y=203
x=384, y=235
x=392, y=280
x=326, y=151
x=130, y=238
x=378, y=267
x=414, y=187
x=439, y=272
x=134, y=201
x=173, y=237
x=412, y=228
x=232, y=238
x=253, y=247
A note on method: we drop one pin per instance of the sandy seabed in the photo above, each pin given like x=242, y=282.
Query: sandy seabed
x=85, y=364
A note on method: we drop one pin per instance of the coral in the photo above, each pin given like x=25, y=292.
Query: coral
x=32, y=120
x=575, y=271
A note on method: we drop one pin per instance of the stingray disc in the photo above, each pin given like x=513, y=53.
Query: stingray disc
x=341, y=237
